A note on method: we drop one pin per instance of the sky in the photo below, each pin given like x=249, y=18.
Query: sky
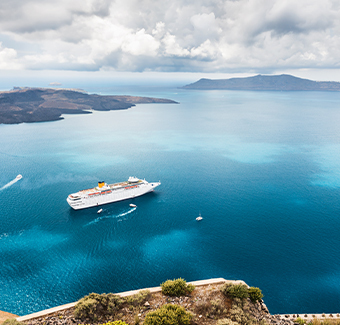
x=231, y=37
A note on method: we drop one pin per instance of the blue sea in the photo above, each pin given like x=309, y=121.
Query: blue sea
x=262, y=168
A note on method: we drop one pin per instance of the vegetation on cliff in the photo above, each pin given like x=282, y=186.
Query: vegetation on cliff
x=178, y=303
x=232, y=303
x=177, y=287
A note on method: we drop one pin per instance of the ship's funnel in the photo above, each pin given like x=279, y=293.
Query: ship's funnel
x=133, y=179
x=101, y=184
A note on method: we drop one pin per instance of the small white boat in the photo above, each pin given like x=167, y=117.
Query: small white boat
x=100, y=210
x=133, y=205
x=19, y=177
x=199, y=218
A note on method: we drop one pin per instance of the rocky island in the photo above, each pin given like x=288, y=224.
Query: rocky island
x=27, y=105
x=282, y=82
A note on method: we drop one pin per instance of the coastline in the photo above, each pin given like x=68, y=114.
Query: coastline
x=30, y=105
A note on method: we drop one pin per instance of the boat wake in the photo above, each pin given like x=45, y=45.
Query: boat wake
x=11, y=182
x=110, y=216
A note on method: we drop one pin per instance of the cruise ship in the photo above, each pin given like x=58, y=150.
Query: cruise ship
x=109, y=193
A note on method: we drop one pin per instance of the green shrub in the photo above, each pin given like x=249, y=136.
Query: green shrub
x=242, y=315
x=255, y=294
x=95, y=306
x=235, y=290
x=117, y=322
x=138, y=298
x=12, y=321
x=300, y=321
x=168, y=315
x=177, y=287
x=190, y=288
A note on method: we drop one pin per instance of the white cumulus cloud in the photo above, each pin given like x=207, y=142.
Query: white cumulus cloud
x=8, y=59
x=140, y=43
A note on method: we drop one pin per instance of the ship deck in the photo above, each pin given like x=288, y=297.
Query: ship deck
x=107, y=187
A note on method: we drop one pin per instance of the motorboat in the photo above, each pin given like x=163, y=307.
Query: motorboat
x=133, y=205
x=199, y=218
x=100, y=210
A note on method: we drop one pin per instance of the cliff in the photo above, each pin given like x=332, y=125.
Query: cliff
x=207, y=304
x=210, y=302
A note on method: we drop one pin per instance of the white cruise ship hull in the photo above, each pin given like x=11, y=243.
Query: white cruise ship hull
x=109, y=194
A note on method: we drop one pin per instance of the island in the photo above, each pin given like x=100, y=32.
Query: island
x=282, y=82
x=28, y=105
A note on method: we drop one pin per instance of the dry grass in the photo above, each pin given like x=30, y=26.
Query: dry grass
x=206, y=303
x=326, y=321
x=4, y=316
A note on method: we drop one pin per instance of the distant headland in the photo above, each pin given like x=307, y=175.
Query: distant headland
x=282, y=82
x=27, y=105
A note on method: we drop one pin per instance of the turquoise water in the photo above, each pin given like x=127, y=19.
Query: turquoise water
x=263, y=169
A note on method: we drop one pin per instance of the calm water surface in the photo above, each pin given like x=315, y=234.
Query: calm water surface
x=263, y=169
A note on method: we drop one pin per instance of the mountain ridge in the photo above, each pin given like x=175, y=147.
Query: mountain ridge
x=283, y=82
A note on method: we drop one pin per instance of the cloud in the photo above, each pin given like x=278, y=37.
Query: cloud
x=8, y=59
x=140, y=43
x=172, y=47
x=178, y=35
x=298, y=17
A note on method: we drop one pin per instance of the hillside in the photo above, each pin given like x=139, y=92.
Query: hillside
x=204, y=302
x=282, y=82
x=27, y=105
x=207, y=303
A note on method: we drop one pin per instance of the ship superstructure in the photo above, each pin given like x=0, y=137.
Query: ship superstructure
x=109, y=193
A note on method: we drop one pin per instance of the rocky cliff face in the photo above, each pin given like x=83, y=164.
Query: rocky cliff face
x=261, y=313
